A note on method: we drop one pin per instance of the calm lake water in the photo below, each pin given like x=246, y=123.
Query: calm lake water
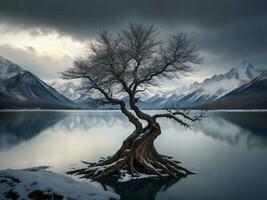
x=228, y=150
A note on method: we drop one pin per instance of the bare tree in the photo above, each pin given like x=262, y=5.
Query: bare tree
x=127, y=64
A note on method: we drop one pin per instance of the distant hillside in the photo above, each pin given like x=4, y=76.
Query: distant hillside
x=251, y=95
x=22, y=89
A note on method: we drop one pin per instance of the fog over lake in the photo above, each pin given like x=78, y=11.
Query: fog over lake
x=227, y=150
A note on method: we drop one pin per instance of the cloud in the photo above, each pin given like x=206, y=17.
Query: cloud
x=40, y=31
x=46, y=67
x=42, y=51
x=225, y=31
x=83, y=17
x=30, y=48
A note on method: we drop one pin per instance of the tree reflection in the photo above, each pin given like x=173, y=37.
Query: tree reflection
x=234, y=128
x=139, y=189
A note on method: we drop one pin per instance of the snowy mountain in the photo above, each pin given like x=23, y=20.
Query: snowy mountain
x=70, y=89
x=22, y=89
x=159, y=101
x=66, y=88
x=197, y=93
x=219, y=85
x=251, y=95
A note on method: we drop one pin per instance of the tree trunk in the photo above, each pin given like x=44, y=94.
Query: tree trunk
x=136, y=157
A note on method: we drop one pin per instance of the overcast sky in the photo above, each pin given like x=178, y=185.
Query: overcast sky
x=45, y=36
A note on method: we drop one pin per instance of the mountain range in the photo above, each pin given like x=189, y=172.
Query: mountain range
x=250, y=95
x=209, y=90
x=217, y=86
x=242, y=87
x=22, y=89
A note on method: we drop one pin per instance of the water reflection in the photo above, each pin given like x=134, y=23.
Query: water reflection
x=226, y=149
x=139, y=189
x=236, y=128
x=233, y=128
x=86, y=121
x=59, y=139
x=16, y=127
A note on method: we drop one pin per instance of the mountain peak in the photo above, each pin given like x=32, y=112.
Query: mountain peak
x=244, y=72
x=22, y=88
x=5, y=63
x=246, y=63
x=220, y=84
x=8, y=69
x=243, y=66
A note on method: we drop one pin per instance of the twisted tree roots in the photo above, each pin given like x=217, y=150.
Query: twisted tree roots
x=136, y=158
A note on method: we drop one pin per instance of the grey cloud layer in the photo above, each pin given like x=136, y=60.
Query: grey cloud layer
x=44, y=66
x=231, y=30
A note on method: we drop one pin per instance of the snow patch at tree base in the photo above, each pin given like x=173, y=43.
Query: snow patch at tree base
x=125, y=176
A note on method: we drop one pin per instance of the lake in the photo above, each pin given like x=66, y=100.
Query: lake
x=228, y=150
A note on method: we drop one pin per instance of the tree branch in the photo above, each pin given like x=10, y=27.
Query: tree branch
x=129, y=62
x=173, y=115
x=168, y=115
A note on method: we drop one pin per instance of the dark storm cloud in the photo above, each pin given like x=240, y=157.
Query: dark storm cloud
x=87, y=14
x=232, y=30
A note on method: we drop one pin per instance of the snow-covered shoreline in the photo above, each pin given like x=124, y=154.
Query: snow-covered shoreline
x=40, y=183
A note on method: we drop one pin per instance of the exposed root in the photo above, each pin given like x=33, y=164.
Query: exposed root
x=132, y=167
x=136, y=158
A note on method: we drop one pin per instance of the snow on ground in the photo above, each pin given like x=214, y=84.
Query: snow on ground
x=39, y=183
x=128, y=177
